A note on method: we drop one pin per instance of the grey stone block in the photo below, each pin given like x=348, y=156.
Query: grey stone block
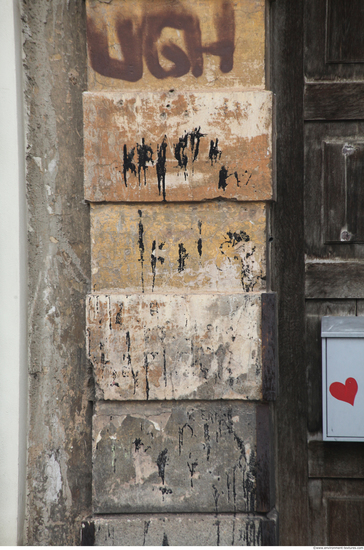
x=182, y=530
x=178, y=457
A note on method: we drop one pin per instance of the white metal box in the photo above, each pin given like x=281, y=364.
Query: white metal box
x=343, y=378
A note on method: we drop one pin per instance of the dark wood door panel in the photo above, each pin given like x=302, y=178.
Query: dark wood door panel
x=334, y=101
x=324, y=492
x=335, y=460
x=334, y=280
x=334, y=41
x=334, y=190
x=346, y=520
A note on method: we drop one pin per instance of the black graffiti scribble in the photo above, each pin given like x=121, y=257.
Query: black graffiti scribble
x=207, y=438
x=128, y=163
x=182, y=257
x=146, y=367
x=161, y=463
x=192, y=468
x=161, y=167
x=195, y=137
x=133, y=35
x=199, y=242
x=119, y=315
x=154, y=258
x=237, y=179
x=138, y=444
x=214, y=152
x=146, y=527
x=223, y=176
x=235, y=237
x=180, y=435
x=165, y=539
x=145, y=155
x=179, y=152
x=141, y=246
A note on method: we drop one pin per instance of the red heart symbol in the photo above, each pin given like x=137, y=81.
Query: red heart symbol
x=345, y=392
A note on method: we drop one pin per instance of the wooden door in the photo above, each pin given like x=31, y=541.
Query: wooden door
x=334, y=245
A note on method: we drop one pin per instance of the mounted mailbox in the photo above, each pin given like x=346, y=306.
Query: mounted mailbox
x=343, y=378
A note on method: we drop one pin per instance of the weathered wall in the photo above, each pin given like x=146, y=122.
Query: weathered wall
x=180, y=326
x=59, y=437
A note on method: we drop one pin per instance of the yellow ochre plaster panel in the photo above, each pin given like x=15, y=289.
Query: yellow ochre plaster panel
x=212, y=246
x=164, y=44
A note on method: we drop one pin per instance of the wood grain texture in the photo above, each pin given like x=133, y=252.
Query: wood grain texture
x=288, y=275
x=318, y=48
x=335, y=460
x=345, y=525
x=269, y=346
x=157, y=347
x=216, y=246
x=178, y=146
x=334, y=280
x=159, y=45
x=344, y=31
x=317, y=135
x=334, y=101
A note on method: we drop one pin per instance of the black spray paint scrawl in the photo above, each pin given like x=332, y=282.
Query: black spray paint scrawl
x=145, y=156
x=161, y=167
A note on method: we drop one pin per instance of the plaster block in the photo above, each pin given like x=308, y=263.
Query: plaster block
x=160, y=346
x=178, y=146
x=182, y=530
x=138, y=45
x=159, y=457
x=215, y=246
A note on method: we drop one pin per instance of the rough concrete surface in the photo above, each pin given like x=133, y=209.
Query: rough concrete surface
x=153, y=346
x=59, y=438
x=175, y=456
x=180, y=530
x=163, y=44
x=212, y=246
x=178, y=146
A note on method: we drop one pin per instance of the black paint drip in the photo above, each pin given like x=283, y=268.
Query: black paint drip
x=141, y=246
x=182, y=257
x=223, y=176
x=145, y=155
x=179, y=152
x=214, y=152
x=128, y=163
x=199, y=242
x=195, y=137
x=154, y=258
x=161, y=167
x=161, y=463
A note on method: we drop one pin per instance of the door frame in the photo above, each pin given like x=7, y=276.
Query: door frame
x=285, y=78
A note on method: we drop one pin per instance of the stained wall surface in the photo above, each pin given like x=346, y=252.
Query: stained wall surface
x=179, y=209
x=179, y=171
x=58, y=491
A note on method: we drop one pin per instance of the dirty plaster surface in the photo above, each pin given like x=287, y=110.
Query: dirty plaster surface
x=172, y=455
x=192, y=529
x=156, y=347
x=59, y=438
